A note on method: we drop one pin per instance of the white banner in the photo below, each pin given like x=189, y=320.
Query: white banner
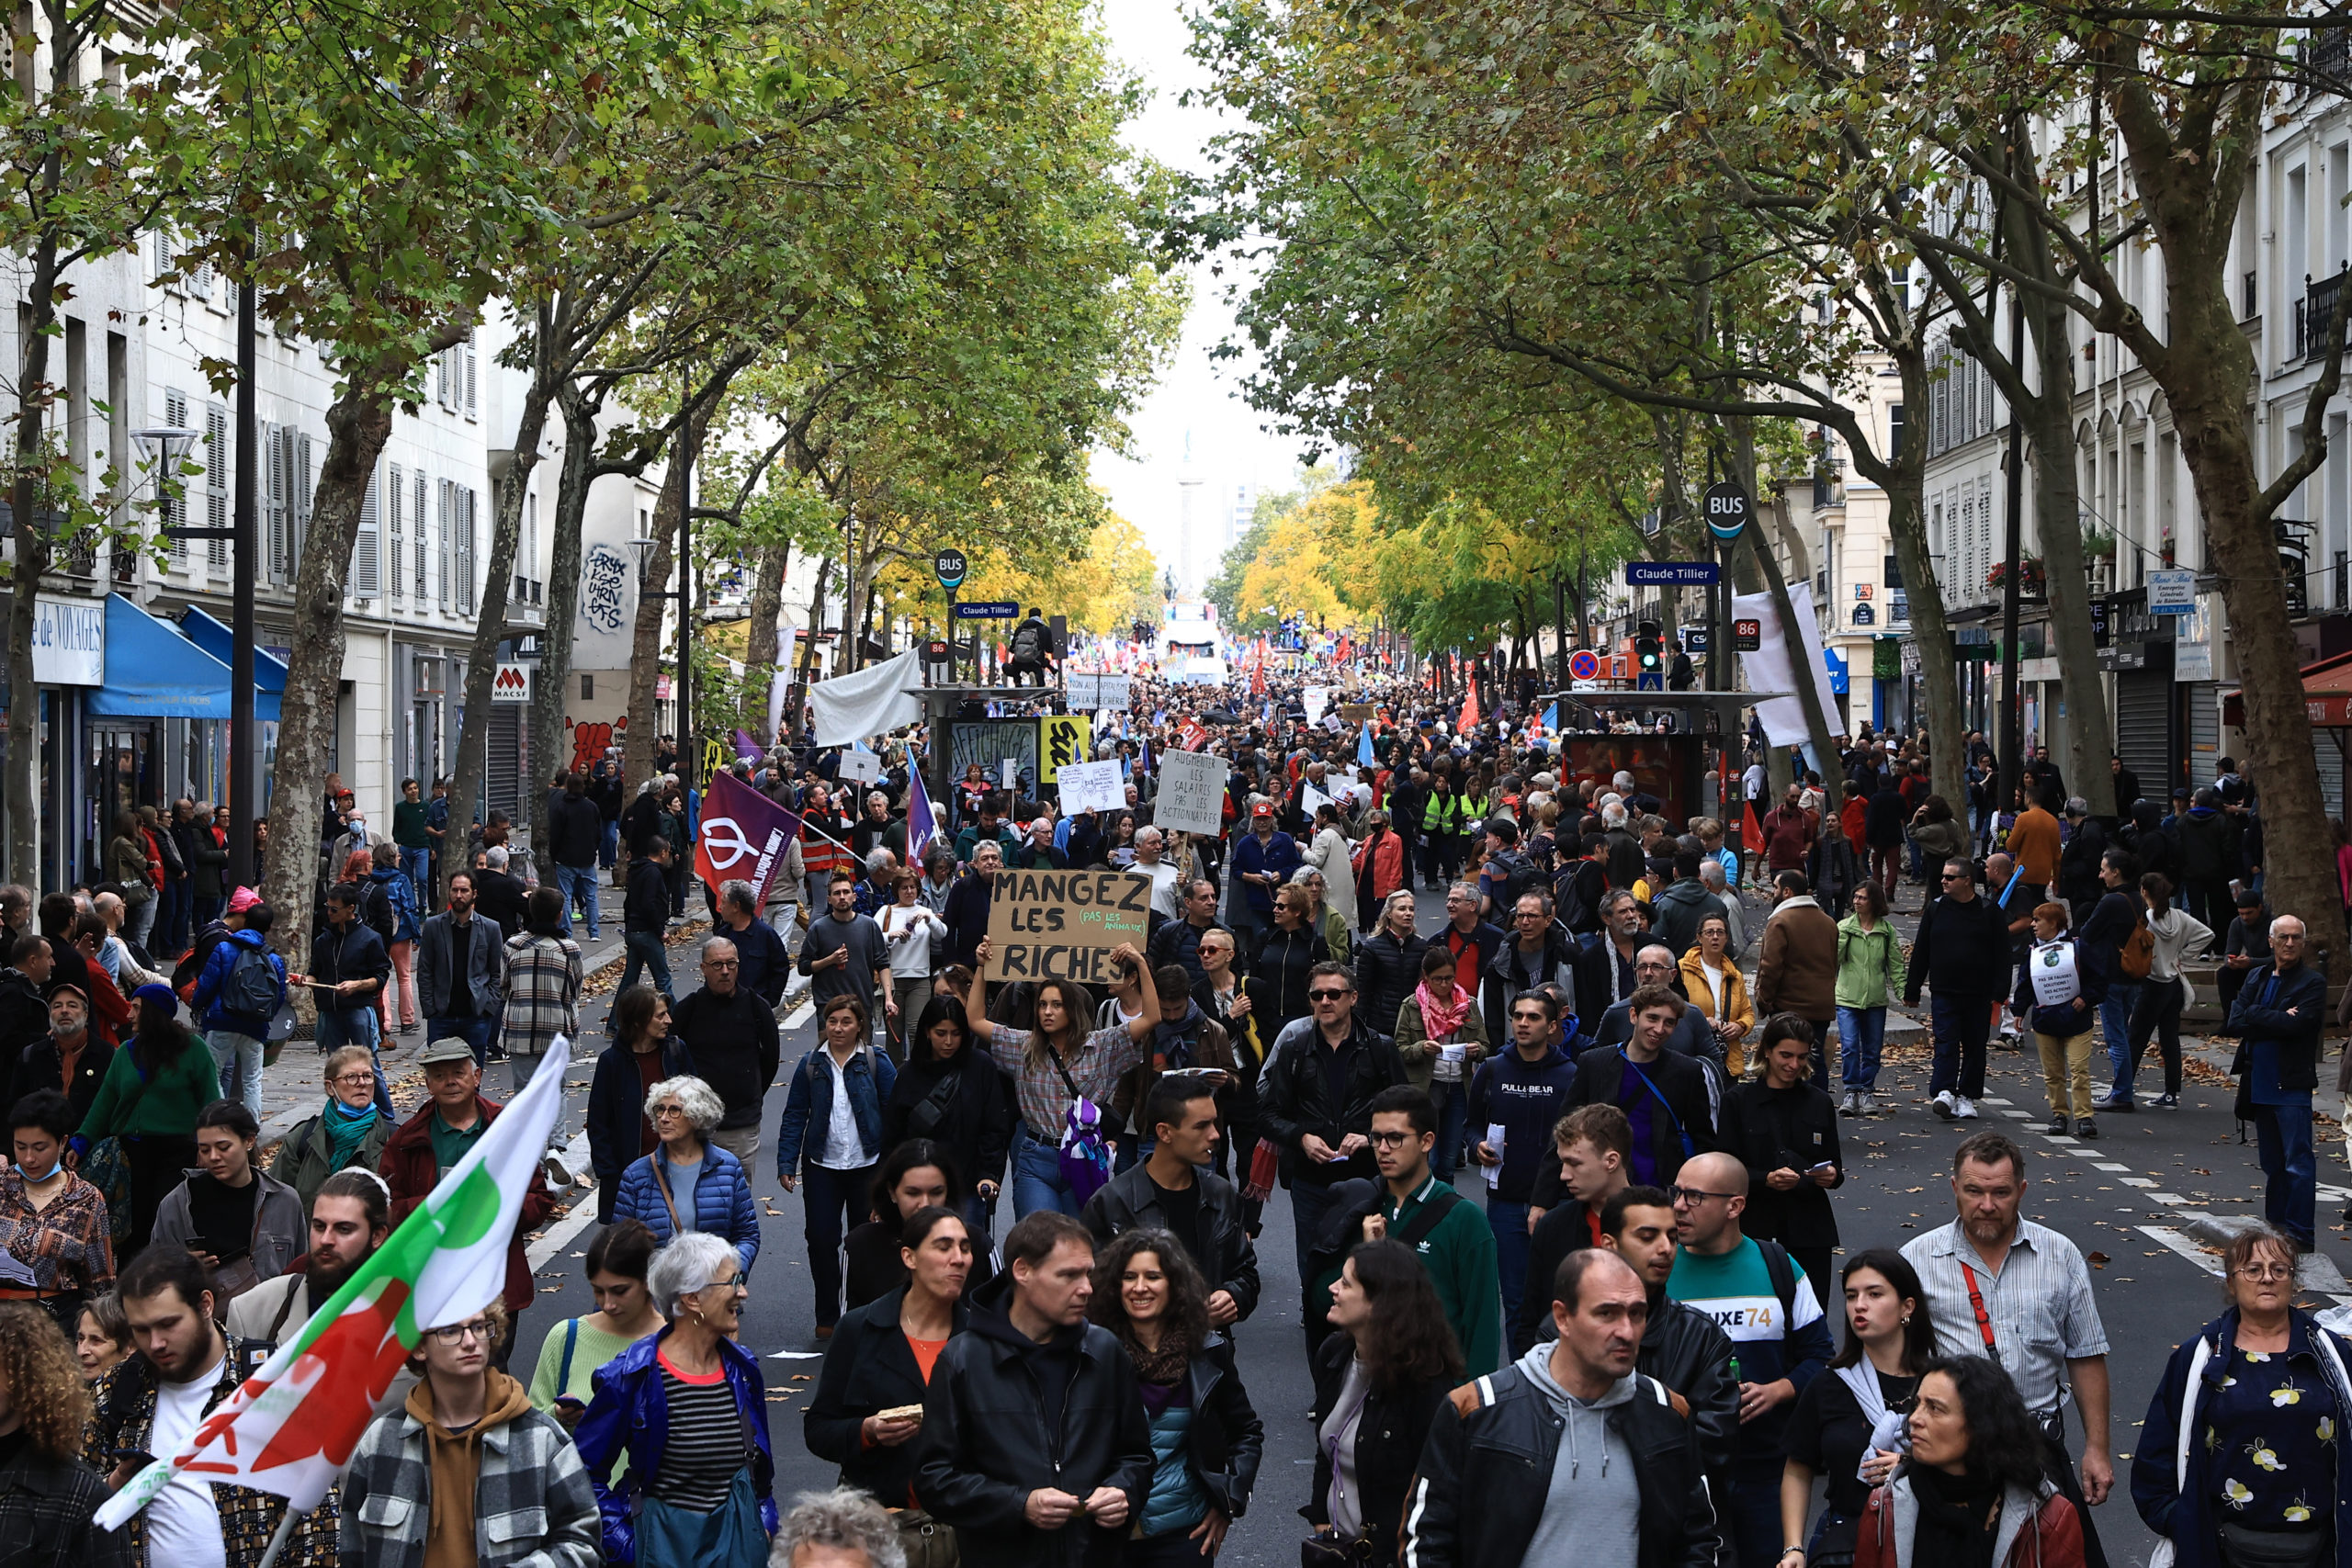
x=1192, y=793
x=2054, y=981
x=1769, y=668
x=871, y=701
x=1316, y=699
x=1091, y=786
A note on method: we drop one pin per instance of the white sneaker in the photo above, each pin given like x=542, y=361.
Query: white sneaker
x=1967, y=1111
x=1869, y=1106
x=1944, y=1105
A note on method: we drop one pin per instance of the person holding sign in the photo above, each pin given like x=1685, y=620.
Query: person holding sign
x=2060, y=986
x=1063, y=1077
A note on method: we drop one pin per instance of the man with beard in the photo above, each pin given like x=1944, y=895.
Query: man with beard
x=350, y=1220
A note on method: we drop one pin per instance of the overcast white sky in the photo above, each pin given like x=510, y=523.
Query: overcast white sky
x=1197, y=405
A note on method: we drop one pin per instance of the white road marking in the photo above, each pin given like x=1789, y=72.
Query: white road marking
x=2020, y=1115
x=2137, y=1181
x=2186, y=1247
x=1988, y=1099
x=800, y=1015
x=2111, y=1168
x=2169, y=1198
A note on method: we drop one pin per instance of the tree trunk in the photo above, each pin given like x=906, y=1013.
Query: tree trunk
x=2057, y=510
x=2209, y=414
x=548, y=741
x=490, y=627
x=28, y=501
x=358, y=423
x=798, y=697
x=645, y=644
x=759, y=650
x=1907, y=520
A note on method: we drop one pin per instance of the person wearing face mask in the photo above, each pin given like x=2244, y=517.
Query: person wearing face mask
x=568, y=1358
x=347, y=1132
x=53, y=1224
x=69, y=1060
x=245, y=1226
x=1205, y=1439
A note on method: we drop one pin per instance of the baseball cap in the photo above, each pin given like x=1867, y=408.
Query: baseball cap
x=449, y=1048
x=1264, y=809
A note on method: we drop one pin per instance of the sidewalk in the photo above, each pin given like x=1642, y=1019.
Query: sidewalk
x=293, y=1087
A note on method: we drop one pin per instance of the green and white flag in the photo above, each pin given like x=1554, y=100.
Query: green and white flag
x=292, y=1427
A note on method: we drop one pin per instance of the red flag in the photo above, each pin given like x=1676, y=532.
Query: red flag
x=1470, y=710
x=744, y=837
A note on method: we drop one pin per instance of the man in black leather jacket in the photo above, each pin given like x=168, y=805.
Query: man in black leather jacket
x=1034, y=1447
x=1174, y=1190
x=1323, y=1143
x=1577, y=1402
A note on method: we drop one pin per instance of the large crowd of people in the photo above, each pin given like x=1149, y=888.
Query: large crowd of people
x=1640, y=1344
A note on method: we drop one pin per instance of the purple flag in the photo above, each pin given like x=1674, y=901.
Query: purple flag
x=921, y=826
x=743, y=837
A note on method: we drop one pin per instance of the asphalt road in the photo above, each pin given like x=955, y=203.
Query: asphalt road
x=2129, y=1200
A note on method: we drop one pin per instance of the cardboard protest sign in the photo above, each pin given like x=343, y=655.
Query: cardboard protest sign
x=1355, y=713
x=1192, y=793
x=1064, y=925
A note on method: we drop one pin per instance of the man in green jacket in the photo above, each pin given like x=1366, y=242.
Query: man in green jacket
x=1447, y=1232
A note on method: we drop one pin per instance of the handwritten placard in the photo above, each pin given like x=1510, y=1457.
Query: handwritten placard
x=1064, y=925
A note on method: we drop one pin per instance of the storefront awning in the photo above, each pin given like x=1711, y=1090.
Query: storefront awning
x=2327, y=695
x=209, y=634
x=152, y=671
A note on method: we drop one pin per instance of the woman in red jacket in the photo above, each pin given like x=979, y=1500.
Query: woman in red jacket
x=1972, y=1490
x=1379, y=861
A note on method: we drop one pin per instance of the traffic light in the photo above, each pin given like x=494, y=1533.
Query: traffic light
x=1649, y=653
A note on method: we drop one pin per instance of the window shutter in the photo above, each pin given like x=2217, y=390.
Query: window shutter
x=467, y=597
x=416, y=529
x=441, y=539
x=441, y=379
x=216, y=483
x=175, y=508
x=162, y=254
x=274, y=501
x=299, y=470
x=367, y=565
x=473, y=401
x=399, y=499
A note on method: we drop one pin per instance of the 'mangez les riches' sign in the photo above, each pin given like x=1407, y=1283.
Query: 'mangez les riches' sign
x=1064, y=925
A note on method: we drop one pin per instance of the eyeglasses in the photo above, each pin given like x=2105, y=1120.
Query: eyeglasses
x=1693, y=1197
x=1327, y=995
x=456, y=1333
x=722, y=964
x=2266, y=1271
x=1391, y=1140
x=357, y=1080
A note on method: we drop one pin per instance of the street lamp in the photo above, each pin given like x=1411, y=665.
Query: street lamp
x=165, y=446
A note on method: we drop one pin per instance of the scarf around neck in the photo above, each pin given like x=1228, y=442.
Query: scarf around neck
x=1442, y=1018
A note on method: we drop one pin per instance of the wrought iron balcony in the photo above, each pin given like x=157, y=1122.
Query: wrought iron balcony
x=2313, y=311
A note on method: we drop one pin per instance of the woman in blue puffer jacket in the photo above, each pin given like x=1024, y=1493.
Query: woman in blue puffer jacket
x=689, y=1183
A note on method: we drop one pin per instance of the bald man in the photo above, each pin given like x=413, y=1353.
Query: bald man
x=1765, y=1306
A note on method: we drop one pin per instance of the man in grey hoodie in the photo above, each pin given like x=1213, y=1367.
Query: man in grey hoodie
x=1578, y=1454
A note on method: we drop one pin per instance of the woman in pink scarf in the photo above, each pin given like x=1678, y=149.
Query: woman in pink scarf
x=1438, y=1015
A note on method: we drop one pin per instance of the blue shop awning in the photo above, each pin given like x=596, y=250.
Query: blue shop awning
x=269, y=671
x=152, y=671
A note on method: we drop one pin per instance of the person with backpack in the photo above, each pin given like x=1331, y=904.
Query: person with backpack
x=1507, y=874
x=388, y=902
x=1763, y=1301
x=242, y=987
x=2174, y=934
x=1031, y=652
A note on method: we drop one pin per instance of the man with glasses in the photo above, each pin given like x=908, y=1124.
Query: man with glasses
x=1457, y=1250
x=2278, y=1017
x=1316, y=1095
x=1962, y=953
x=1779, y=1340
x=426, y=1146
x=1663, y=1093
x=470, y=1430
x=1654, y=966
x=731, y=1037
x=2000, y=1285
x=1537, y=952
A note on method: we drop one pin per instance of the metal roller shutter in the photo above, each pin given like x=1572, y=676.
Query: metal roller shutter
x=2143, y=732
x=2201, y=701
x=503, y=770
x=2330, y=758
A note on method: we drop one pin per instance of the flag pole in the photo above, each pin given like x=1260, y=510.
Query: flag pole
x=280, y=1536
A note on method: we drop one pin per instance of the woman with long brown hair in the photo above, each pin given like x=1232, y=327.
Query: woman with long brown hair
x=47, y=1495
x=1063, y=1076
x=1378, y=1383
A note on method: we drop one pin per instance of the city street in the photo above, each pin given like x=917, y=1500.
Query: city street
x=2131, y=1199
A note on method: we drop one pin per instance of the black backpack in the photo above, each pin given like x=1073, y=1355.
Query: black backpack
x=251, y=988
x=1029, y=641
x=376, y=909
x=1517, y=873
x=1326, y=1257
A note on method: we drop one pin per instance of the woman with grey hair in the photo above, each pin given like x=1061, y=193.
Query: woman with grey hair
x=689, y=1184
x=841, y=1528
x=688, y=1409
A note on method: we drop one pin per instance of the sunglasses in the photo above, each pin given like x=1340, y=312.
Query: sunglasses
x=1327, y=995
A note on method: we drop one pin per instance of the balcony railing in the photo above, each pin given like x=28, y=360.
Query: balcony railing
x=2313, y=313
x=2327, y=55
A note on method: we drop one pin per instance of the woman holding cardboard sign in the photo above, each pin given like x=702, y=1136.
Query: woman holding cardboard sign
x=1063, y=1077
